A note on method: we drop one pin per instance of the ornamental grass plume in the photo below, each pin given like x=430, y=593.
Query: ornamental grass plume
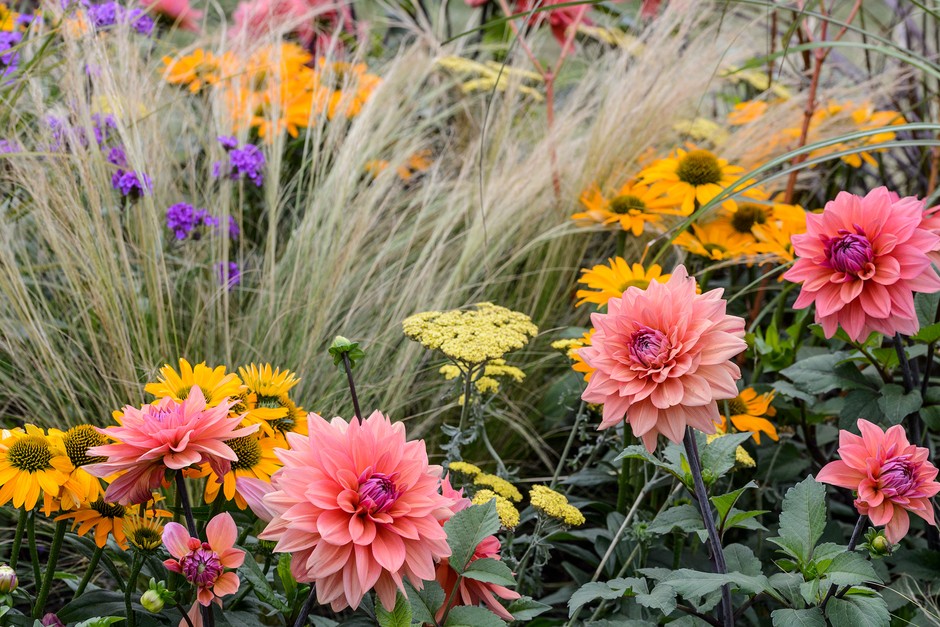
x=661, y=358
x=358, y=507
x=203, y=564
x=165, y=436
x=861, y=261
x=891, y=477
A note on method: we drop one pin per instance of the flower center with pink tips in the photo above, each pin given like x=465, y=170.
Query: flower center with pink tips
x=202, y=566
x=897, y=477
x=647, y=346
x=378, y=493
x=851, y=253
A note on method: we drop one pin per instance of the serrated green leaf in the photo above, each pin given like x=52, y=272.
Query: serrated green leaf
x=263, y=590
x=469, y=616
x=640, y=452
x=812, y=617
x=662, y=598
x=399, y=616
x=526, y=608
x=851, y=569
x=682, y=517
x=613, y=589
x=738, y=519
x=425, y=602
x=802, y=520
x=720, y=455
x=287, y=577
x=741, y=559
x=816, y=374
x=896, y=405
x=926, y=307
x=858, y=611
x=466, y=529
x=724, y=502
x=489, y=570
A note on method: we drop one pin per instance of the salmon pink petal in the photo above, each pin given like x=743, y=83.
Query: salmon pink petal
x=221, y=532
x=226, y=584
x=839, y=473
x=176, y=539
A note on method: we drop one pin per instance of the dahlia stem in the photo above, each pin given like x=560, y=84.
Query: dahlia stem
x=701, y=495
x=50, y=568
x=184, y=501
x=18, y=538
x=908, y=377
x=136, y=564
x=567, y=449
x=185, y=614
x=856, y=533
x=92, y=565
x=307, y=607
x=352, y=385
x=33, y=553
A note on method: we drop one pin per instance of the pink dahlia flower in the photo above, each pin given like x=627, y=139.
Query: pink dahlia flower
x=471, y=591
x=177, y=11
x=661, y=357
x=358, y=507
x=560, y=19
x=316, y=22
x=861, y=261
x=162, y=436
x=203, y=564
x=890, y=475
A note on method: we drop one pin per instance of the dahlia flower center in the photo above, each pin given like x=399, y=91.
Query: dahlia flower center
x=625, y=203
x=202, y=566
x=647, y=346
x=78, y=440
x=378, y=493
x=851, y=253
x=30, y=453
x=699, y=167
x=747, y=215
x=897, y=477
x=248, y=451
x=108, y=510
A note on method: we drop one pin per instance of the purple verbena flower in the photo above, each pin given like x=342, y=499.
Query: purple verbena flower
x=117, y=157
x=105, y=15
x=245, y=162
x=9, y=146
x=9, y=58
x=228, y=273
x=228, y=142
x=182, y=219
x=140, y=21
x=102, y=126
x=131, y=184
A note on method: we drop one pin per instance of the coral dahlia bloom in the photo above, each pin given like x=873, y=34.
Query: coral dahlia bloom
x=358, y=507
x=890, y=475
x=203, y=564
x=861, y=261
x=661, y=358
x=163, y=436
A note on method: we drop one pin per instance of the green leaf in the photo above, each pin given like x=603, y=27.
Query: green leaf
x=858, y=611
x=851, y=569
x=738, y=519
x=802, y=520
x=682, y=517
x=816, y=374
x=399, y=616
x=466, y=529
x=613, y=589
x=286, y=577
x=100, y=621
x=896, y=405
x=425, y=602
x=812, y=617
x=93, y=604
x=639, y=452
x=469, y=616
x=926, y=307
x=262, y=588
x=741, y=559
x=719, y=456
x=489, y=570
x=662, y=598
x=526, y=608
x=857, y=403
x=928, y=334
x=724, y=502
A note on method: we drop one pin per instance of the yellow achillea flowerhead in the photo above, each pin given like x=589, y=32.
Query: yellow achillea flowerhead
x=701, y=129
x=741, y=457
x=490, y=75
x=611, y=281
x=746, y=412
x=464, y=468
x=471, y=336
x=555, y=505
x=499, y=485
x=215, y=383
x=485, y=379
x=32, y=465
x=507, y=512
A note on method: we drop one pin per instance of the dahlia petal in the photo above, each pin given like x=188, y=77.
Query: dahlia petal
x=333, y=525
x=840, y=474
x=388, y=549
x=176, y=539
x=897, y=526
x=221, y=532
x=226, y=584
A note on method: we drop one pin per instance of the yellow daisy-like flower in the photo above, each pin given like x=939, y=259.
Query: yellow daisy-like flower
x=746, y=412
x=267, y=382
x=555, y=505
x=256, y=460
x=294, y=420
x=631, y=208
x=81, y=487
x=145, y=533
x=215, y=383
x=507, y=512
x=498, y=485
x=775, y=237
x=747, y=112
x=341, y=88
x=717, y=240
x=413, y=166
x=570, y=347
x=196, y=70
x=7, y=18
x=691, y=176
x=105, y=519
x=464, y=468
x=612, y=280
x=31, y=465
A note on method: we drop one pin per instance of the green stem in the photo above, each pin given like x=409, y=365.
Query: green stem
x=523, y=561
x=33, y=553
x=18, y=538
x=492, y=451
x=451, y=599
x=50, y=568
x=622, y=483
x=465, y=409
x=136, y=564
x=567, y=449
x=92, y=565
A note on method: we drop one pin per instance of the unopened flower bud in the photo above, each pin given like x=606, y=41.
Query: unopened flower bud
x=881, y=544
x=152, y=601
x=341, y=346
x=8, y=580
x=51, y=620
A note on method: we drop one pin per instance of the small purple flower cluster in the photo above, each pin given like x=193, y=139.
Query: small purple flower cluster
x=245, y=162
x=9, y=58
x=184, y=220
x=9, y=146
x=229, y=274
x=108, y=14
x=132, y=185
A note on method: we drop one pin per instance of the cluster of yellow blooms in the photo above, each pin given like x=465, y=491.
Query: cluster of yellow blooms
x=486, y=379
x=275, y=87
x=555, y=505
x=498, y=485
x=471, y=337
x=490, y=75
x=741, y=456
x=507, y=512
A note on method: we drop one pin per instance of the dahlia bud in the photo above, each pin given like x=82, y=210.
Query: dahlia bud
x=152, y=601
x=877, y=544
x=343, y=346
x=51, y=620
x=8, y=580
